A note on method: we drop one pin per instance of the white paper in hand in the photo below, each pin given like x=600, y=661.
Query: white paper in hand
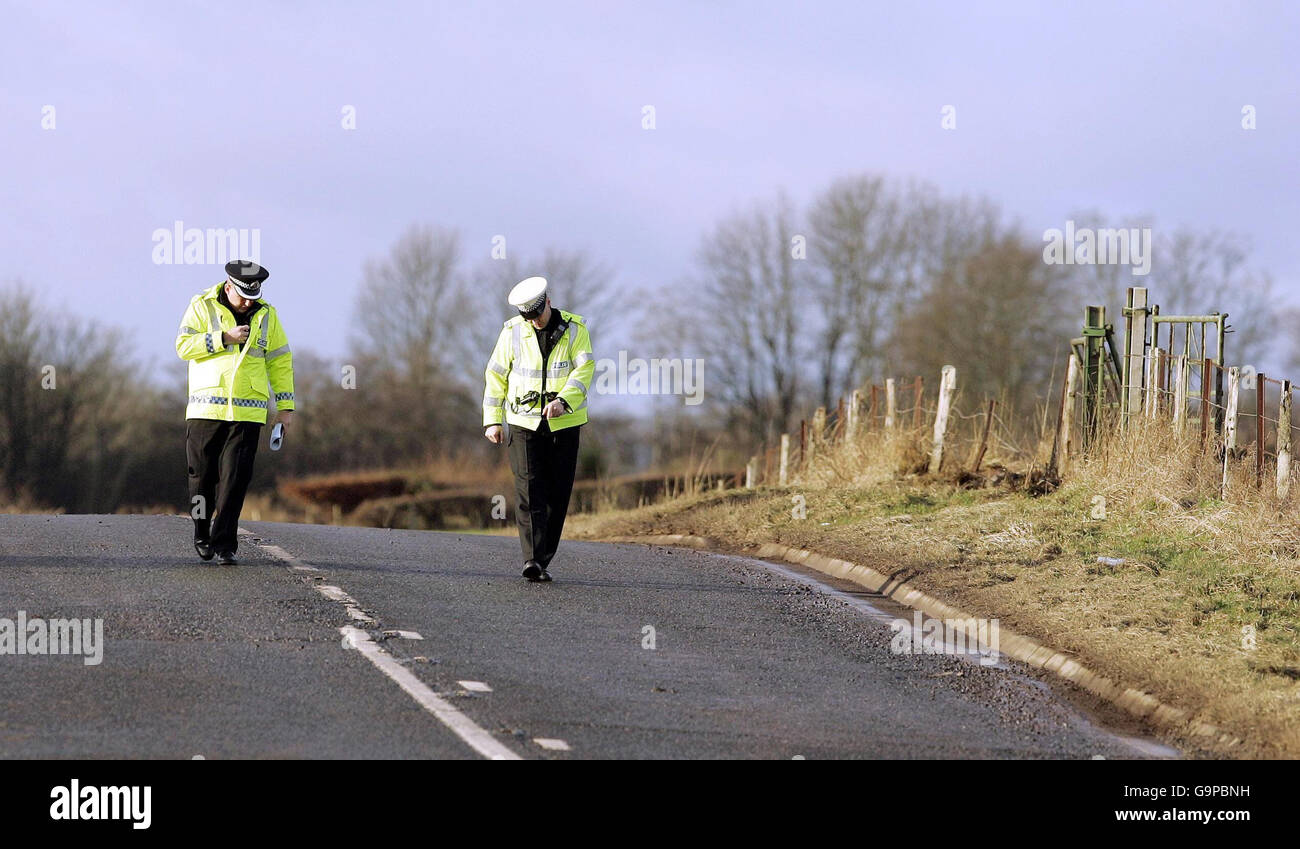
x=277, y=436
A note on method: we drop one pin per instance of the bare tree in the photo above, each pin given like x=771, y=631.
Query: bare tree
x=1192, y=273
x=1196, y=272
x=747, y=316
x=998, y=315
x=1106, y=283
x=411, y=304
x=72, y=412
x=857, y=234
x=875, y=247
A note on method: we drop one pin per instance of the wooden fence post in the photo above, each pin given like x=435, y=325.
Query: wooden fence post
x=916, y=401
x=815, y=436
x=1162, y=381
x=839, y=420
x=1284, y=442
x=855, y=403
x=984, y=438
x=1152, y=396
x=1061, y=458
x=1230, y=427
x=751, y=472
x=1180, y=395
x=891, y=405
x=947, y=383
x=803, y=443
x=783, y=475
x=871, y=411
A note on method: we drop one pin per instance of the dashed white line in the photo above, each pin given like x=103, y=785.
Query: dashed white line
x=349, y=603
x=461, y=725
x=474, y=735
x=475, y=686
x=294, y=563
x=552, y=744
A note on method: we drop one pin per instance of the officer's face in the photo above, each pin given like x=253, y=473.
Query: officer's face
x=237, y=300
x=540, y=320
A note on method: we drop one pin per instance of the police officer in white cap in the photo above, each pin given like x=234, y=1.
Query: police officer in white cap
x=537, y=383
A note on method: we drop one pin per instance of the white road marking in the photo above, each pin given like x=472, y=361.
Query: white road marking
x=332, y=593
x=294, y=563
x=552, y=744
x=335, y=593
x=461, y=725
x=405, y=635
x=475, y=686
x=349, y=603
x=360, y=615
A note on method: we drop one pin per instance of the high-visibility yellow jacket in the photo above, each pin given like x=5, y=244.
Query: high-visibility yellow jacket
x=227, y=383
x=516, y=369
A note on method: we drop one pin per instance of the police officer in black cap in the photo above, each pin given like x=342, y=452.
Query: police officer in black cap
x=240, y=365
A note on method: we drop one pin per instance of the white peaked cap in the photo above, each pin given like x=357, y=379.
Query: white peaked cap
x=528, y=294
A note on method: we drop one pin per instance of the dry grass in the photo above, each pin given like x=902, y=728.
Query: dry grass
x=24, y=506
x=1196, y=569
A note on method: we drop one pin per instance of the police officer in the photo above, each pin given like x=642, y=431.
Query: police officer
x=235, y=346
x=536, y=383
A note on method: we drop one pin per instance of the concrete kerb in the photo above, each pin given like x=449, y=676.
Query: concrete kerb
x=1133, y=701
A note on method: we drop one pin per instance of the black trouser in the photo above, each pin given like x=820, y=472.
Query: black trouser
x=543, y=462
x=220, y=457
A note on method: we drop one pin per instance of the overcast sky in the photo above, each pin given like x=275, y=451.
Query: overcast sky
x=526, y=120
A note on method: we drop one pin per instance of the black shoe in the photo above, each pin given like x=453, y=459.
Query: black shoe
x=227, y=558
x=532, y=571
x=544, y=577
x=204, y=548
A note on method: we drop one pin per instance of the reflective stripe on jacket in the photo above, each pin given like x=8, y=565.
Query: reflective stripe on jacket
x=228, y=383
x=516, y=369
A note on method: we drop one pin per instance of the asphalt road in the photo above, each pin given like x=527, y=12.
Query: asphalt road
x=260, y=660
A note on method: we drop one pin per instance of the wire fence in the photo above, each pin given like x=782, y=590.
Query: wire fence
x=1243, y=417
x=911, y=417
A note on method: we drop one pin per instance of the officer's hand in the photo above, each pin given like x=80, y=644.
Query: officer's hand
x=493, y=434
x=238, y=336
x=553, y=409
x=284, y=417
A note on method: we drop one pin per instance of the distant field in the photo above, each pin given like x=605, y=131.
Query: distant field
x=443, y=499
